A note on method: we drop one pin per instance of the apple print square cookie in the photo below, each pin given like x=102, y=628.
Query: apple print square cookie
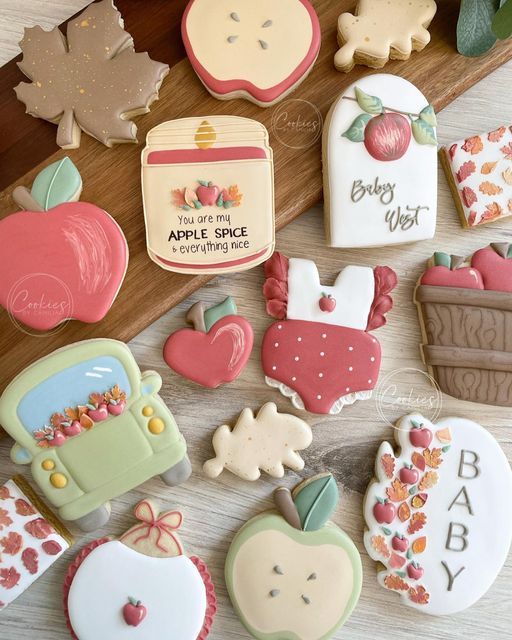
x=464, y=312
x=479, y=172
x=260, y=51
x=431, y=510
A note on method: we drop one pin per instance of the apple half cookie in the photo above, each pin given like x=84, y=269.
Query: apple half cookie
x=60, y=259
x=320, y=352
x=428, y=513
x=464, y=311
x=260, y=51
x=216, y=350
x=379, y=151
x=144, y=579
x=294, y=573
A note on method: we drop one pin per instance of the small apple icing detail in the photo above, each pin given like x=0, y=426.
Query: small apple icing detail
x=427, y=513
x=179, y=596
x=294, y=573
x=216, y=350
x=206, y=195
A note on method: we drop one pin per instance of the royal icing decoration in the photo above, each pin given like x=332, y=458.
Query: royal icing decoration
x=97, y=451
x=320, y=352
x=216, y=350
x=259, y=51
x=464, y=311
x=432, y=510
x=380, y=165
x=59, y=259
x=380, y=31
x=208, y=192
x=295, y=574
x=143, y=580
x=31, y=539
x=479, y=171
x=268, y=442
x=90, y=81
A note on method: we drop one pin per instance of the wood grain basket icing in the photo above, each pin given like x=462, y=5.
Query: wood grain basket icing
x=463, y=331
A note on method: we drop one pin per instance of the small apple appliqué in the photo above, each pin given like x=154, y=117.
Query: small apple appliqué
x=420, y=436
x=327, y=303
x=387, y=136
x=384, y=511
x=400, y=543
x=208, y=193
x=414, y=571
x=134, y=612
x=408, y=475
x=99, y=414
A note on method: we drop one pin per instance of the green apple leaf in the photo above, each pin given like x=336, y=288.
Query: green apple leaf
x=502, y=23
x=370, y=104
x=428, y=115
x=423, y=133
x=442, y=259
x=474, y=27
x=356, y=131
x=57, y=183
x=316, y=500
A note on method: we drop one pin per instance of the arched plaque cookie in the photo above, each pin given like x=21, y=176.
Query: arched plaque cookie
x=435, y=514
x=258, y=50
x=293, y=573
x=380, y=165
x=208, y=193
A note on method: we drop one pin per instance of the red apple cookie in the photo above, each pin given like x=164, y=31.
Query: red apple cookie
x=320, y=352
x=464, y=311
x=216, y=350
x=59, y=259
x=143, y=580
x=293, y=573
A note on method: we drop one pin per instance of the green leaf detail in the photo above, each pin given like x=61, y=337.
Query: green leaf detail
x=442, y=259
x=370, y=104
x=386, y=531
x=197, y=204
x=474, y=27
x=57, y=183
x=416, y=424
x=413, y=490
x=316, y=501
x=447, y=448
x=509, y=252
x=356, y=131
x=409, y=554
x=502, y=23
x=428, y=115
x=203, y=183
x=423, y=133
x=401, y=574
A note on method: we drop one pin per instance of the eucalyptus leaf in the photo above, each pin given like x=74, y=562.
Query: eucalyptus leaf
x=356, y=131
x=428, y=115
x=57, y=183
x=316, y=501
x=474, y=27
x=423, y=133
x=370, y=104
x=502, y=23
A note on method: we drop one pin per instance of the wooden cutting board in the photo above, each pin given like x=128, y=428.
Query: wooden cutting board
x=112, y=176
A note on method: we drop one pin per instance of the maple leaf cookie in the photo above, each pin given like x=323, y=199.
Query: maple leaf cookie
x=432, y=510
x=141, y=585
x=380, y=31
x=260, y=51
x=91, y=80
x=320, y=352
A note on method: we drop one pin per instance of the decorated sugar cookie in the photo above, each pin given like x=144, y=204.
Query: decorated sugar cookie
x=380, y=31
x=268, y=442
x=435, y=516
x=292, y=573
x=320, y=352
x=464, y=312
x=260, y=51
x=91, y=80
x=208, y=193
x=141, y=585
x=216, y=350
x=479, y=172
x=59, y=259
x=93, y=427
x=380, y=165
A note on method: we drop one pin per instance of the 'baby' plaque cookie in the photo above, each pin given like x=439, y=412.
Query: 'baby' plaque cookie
x=208, y=192
x=435, y=514
x=380, y=165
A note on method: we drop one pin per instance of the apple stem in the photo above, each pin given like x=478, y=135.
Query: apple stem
x=195, y=317
x=24, y=199
x=286, y=506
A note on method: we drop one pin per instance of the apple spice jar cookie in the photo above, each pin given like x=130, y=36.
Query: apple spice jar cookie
x=432, y=511
x=141, y=585
x=292, y=573
x=91, y=80
x=380, y=31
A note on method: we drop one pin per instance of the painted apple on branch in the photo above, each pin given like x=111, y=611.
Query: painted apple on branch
x=387, y=136
x=59, y=259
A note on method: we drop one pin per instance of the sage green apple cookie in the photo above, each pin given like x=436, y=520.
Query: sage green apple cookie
x=292, y=574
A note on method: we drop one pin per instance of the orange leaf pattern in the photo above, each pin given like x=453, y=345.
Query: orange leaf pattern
x=488, y=167
x=404, y=512
x=396, y=583
x=428, y=481
x=466, y=170
x=5, y=520
x=417, y=522
x=12, y=543
x=433, y=457
x=388, y=464
x=507, y=150
x=507, y=176
x=397, y=491
x=490, y=189
x=492, y=211
x=497, y=135
x=469, y=196
x=419, y=545
x=418, y=461
x=473, y=145
x=380, y=546
x=419, y=595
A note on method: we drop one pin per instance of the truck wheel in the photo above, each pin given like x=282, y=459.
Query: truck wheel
x=178, y=474
x=95, y=519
